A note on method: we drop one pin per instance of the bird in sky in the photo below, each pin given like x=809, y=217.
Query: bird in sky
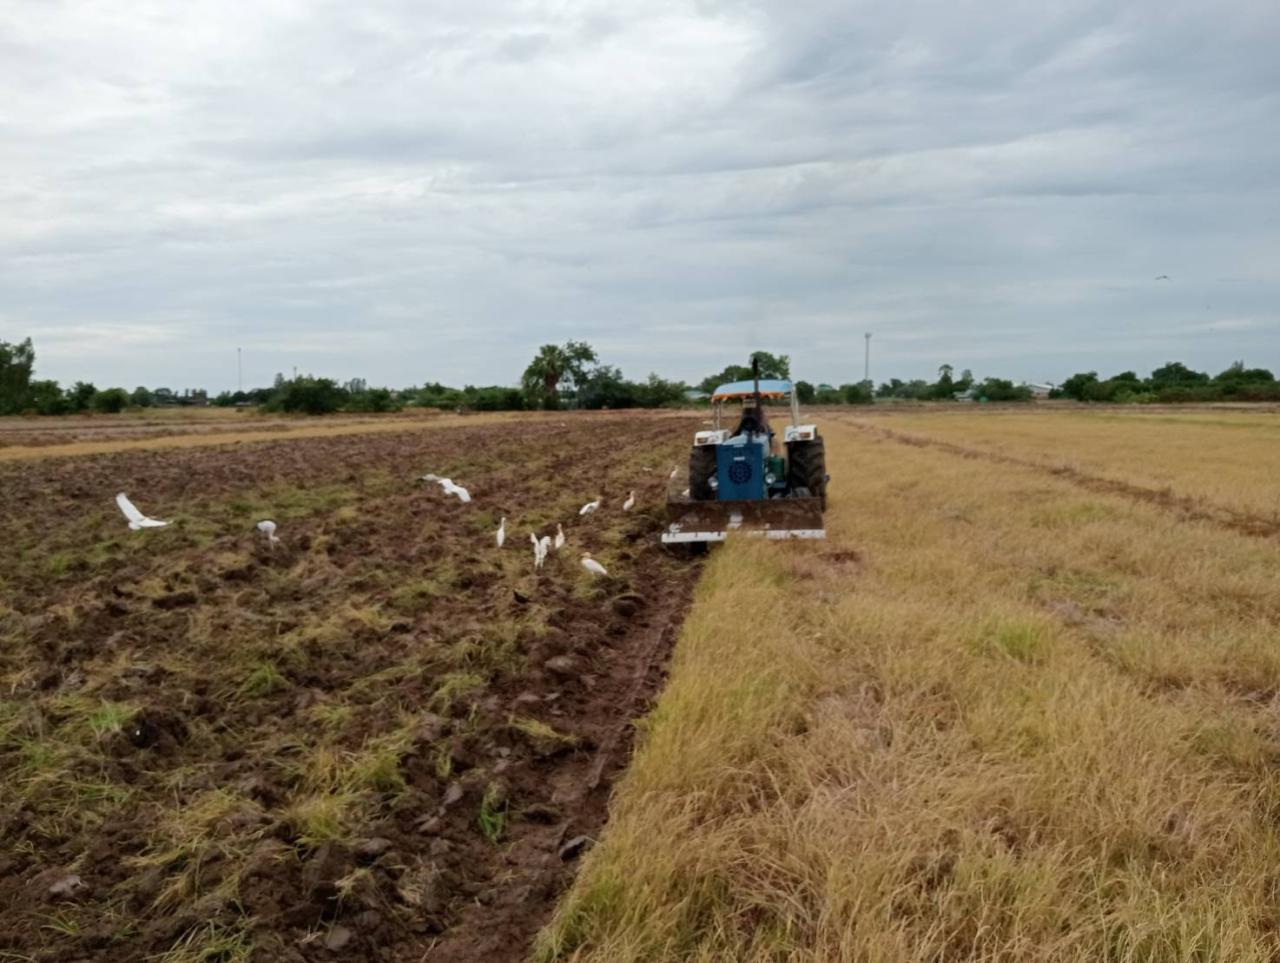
x=630, y=503
x=559, y=542
x=268, y=528
x=590, y=507
x=592, y=566
x=1162, y=277
x=136, y=519
x=502, y=531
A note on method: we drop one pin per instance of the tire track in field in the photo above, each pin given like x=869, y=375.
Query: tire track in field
x=1195, y=509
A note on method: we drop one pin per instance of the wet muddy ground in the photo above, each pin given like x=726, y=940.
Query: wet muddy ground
x=385, y=738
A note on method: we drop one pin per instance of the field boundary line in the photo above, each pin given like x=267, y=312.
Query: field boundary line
x=15, y=453
x=1243, y=523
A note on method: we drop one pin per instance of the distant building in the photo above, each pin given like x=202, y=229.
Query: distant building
x=1039, y=390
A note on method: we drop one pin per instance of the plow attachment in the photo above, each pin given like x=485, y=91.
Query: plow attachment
x=713, y=521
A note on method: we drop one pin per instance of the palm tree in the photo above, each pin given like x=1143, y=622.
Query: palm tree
x=552, y=367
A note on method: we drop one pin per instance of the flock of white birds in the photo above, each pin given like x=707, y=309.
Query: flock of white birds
x=541, y=546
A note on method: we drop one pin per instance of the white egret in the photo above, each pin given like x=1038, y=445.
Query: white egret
x=538, y=556
x=675, y=470
x=502, y=531
x=592, y=566
x=559, y=542
x=590, y=507
x=685, y=493
x=464, y=496
x=544, y=546
x=137, y=520
x=268, y=528
x=630, y=503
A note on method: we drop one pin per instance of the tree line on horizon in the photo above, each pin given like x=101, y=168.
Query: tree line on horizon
x=572, y=376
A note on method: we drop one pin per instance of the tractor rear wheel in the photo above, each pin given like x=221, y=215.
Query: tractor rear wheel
x=702, y=468
x=807, y=468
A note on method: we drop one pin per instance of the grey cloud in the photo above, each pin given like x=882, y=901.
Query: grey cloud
x=409, y=191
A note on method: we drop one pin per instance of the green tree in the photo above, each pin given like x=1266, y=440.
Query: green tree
x=311, y=396
x=1000, y=389
x=1078, y=386
x=771, y=366
x=805, y=392
x=80, y=394
x=658, y=392
x=1177, y=373
x=492, y=398
x=857, y=394
x=554, y=369
x=46, y=398
x=372, y=400
x=110, y=401
x=141, y=398
x=944, y=388
x=16, y=364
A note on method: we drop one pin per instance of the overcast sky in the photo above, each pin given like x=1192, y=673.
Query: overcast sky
x=414, y=191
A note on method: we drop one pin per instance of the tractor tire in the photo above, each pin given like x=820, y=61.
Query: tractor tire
x=702, y=468
x=807, y=468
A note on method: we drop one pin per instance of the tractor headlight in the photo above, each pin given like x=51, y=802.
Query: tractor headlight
x=769, y=478
x=714, y=482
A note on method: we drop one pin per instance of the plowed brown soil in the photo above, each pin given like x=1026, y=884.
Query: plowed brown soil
x=385, y=739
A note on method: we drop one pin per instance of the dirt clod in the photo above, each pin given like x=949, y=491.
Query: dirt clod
x=575, y=847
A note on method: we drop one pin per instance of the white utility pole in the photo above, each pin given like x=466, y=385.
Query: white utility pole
x=239, y=372
x=866, y=360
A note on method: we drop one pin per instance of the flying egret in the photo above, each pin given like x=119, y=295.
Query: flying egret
x=428, y=477
x=630, y=503
x=268, y=528
x=559, y=542
x=502, y=531
x=544, y=546
x=451, y=489
x=590, y=507
x=538, y=557
x=137, y=520
x=592, y=566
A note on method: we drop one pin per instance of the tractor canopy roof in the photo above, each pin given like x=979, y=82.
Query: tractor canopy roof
x=770, y=388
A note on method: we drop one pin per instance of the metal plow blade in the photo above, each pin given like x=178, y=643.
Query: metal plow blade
x=712, y=521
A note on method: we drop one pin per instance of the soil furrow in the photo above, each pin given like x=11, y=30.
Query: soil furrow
x=387, y=739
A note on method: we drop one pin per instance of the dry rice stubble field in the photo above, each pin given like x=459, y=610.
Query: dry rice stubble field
x=375, y=740
x=1001, y=715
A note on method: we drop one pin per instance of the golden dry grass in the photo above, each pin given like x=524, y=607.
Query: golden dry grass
x=995, y=717
x=1226, y=458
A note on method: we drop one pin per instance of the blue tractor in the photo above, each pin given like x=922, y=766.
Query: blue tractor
x=742, y=480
